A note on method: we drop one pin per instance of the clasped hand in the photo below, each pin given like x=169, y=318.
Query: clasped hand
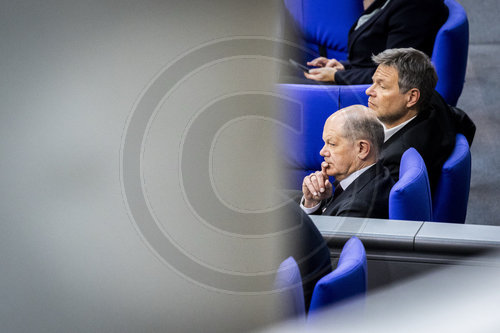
x=316, y=187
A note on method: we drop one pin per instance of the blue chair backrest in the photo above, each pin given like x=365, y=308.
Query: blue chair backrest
x=410, y=197
x=325, y=23
x=289, y=283
x=347, y=280
x=449, y=56
x=353, y=94
x=305, y=113
x=328, y=22
x=452, y=192
x=450, y=52
x=311, y=106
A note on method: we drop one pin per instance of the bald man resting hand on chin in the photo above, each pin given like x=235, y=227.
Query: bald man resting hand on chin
x=353, y=139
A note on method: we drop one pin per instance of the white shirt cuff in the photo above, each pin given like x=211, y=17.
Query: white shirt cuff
x=308, y=210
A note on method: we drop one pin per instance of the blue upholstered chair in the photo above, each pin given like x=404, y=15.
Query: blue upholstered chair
x=291, y=297
x=410, y=197
x=452, y=192
x=449, y=55
x=305, y=114
x=318, y=101
x=347, y=280
x=450, y=52
x=325, y=24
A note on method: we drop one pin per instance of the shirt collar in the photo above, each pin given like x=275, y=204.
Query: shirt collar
x=352, y=177
x=364, y=18
x=388, y=132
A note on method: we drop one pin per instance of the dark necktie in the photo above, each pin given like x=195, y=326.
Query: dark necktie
x=338, y=190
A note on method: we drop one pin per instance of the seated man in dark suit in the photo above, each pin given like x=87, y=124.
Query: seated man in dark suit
x=413, y=113
x=384, y=24
x=353, y=139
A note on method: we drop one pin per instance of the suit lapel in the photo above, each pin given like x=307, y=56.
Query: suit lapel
x=402, y=131
x=356, y=33
x=361, y=181
x=357, y=185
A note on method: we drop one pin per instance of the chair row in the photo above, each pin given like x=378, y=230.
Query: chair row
x=306, y=111
x=410, y=198
x=347, y=280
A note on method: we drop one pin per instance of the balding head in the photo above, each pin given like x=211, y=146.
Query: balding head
x=353, y=139
x=360, y=123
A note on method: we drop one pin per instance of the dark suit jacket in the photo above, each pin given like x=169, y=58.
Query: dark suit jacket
x=367, y=196
x=305, y=244
x=402, y=23
x=432, y=133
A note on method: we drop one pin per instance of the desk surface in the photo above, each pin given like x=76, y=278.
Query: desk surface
x=408, y=235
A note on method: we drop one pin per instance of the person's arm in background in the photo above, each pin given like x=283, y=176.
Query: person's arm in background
x=411, y=24
x=355, y=75
x=325, y=71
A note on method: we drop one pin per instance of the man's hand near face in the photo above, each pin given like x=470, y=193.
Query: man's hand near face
x=316, y=187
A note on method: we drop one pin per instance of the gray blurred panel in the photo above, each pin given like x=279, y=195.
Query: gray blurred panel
x=97, y=98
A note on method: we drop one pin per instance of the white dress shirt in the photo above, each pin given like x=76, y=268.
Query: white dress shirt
x=362, y=20
x=388, y=132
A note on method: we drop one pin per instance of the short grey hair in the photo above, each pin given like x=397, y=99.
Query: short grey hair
x=415, y=70
x=362, y=124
